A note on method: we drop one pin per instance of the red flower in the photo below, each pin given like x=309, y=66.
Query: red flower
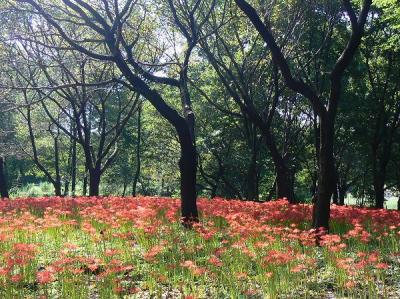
x=44, y=277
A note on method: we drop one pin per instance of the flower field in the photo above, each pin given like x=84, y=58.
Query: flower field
x=136, y=248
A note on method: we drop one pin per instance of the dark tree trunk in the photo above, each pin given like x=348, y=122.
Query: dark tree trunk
x=85, y=183
x=214, y=189
x=313, y=187
x=252, y=178
x=271, y=192
x=335, y=196
x=379, y=190
x=124, y=189
x=3, y=180
x=326, y=178
x=188, y=169
x=379, y=164
x=94, y=181
x=284, y=185
x=72, y=164
x=138, y=162
x=57, y=188
x=57, y=181
x=342, y=195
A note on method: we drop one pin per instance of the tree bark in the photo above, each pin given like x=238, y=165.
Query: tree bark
x=342, y=195
x=57, y=181
x=85, y=183
x=94, y=181
x=326, y=177
x=138, y=160
x=73, y=164
x=335, y=197
x=251, y=180
x=188, y=169
x=379, y=191
x=3, y=180
x=284, y=186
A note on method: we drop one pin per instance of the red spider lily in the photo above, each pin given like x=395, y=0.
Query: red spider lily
x=112, y=252
x=150, y=255
x=381, y=266
x=187, y=264
x=298, y=268
x=279, y=258
x=16, y=278
x=214, y=260
x=44, y=277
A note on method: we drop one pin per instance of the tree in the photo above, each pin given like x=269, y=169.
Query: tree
x=326, y=112
x=109, y=24
x=383, y=69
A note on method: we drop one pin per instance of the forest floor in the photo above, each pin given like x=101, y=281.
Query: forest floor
x=114, y=247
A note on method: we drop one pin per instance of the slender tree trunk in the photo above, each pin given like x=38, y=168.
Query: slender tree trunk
x=379, y=191
x=335, y=196
x=378, y=174
x=3, y=180
x=85, y=183
x=335, y=193
x=272, y=190
x=214, y=189
x=73, y=165
x=138, y=160
x=57, y=181
x=342, y=195
x=326, y=178
x=124, y=189
x=252, y=177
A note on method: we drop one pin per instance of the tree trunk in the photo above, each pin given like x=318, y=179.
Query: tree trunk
x=379, y=190
x=84, y=187
x=57, y=183
x=188, y=169
x=326, y=178
x=335, y=195
x=251, y=180
x=138, y=162
x=57, y=188
x=73, y=164
x=342, y=195
x=3, y=180
x=94, y=181
x=284, y=186
x=124, y=189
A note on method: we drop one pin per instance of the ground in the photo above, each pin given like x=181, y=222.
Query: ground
x=116, y=247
